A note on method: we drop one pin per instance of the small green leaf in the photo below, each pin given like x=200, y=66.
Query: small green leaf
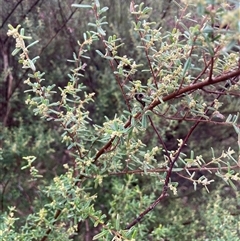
x=192, y=155
x=200, y=9
x=117, y=225
x=236, y=129
x=100, y=53
x=115, y=126
x=230, y=45
x=97, y=3
x=133, y=122
x=31, y=64
x=144, y=121
x=129, y=132
x=15, y=51
x=35, y=58
x=103, y=233
x=10, y=27
x=81, y=5
x=31, y=44
x=92, y=24
x=104, y=9
x=232, y=185
x=194, y=186
x=229, y=118
x=179, y=169
x=208, y=29
x=101, y=31
x=22, y=31
x=186, y=66
x=235, y=118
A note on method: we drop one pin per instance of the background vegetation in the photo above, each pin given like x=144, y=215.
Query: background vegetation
x=153, y=154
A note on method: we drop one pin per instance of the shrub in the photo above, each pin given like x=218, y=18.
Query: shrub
x=123, y=169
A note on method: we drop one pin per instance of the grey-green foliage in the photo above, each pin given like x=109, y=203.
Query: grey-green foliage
x=200, y=217
x=27, y=139
x=114, y=173
x=22, y=141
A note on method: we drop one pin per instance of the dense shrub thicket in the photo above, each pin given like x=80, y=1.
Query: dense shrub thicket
x=120, y=121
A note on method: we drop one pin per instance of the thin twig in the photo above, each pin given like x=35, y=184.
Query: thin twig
x=160, y=170
x=160, y=139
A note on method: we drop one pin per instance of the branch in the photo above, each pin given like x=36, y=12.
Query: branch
x=160, y=139
x=167, y=180
x=184, y=142
x=169, y=97
x=160, y=170
x=196, y=86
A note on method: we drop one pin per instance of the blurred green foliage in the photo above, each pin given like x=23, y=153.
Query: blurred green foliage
x=58, y=26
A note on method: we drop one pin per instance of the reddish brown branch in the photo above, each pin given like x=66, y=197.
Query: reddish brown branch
x=57, y=214
x=160, y=170
x=195, y=86
x=166, y=183
x=173, y=95
x=184, y=142
x=160, y=139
